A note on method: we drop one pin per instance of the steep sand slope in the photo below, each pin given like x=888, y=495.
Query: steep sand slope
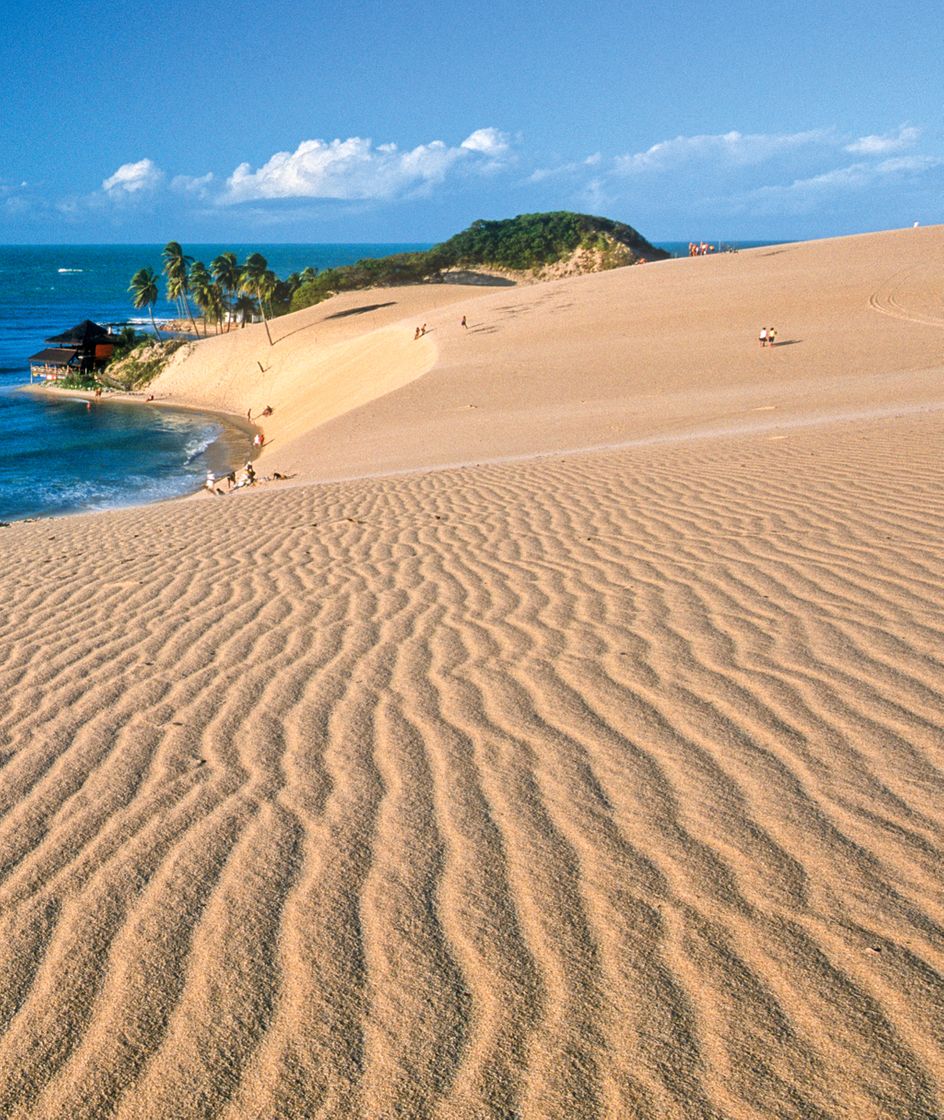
x=606, y=784
x=647, y=352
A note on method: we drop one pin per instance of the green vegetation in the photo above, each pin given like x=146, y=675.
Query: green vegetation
x=228, y=292
x=77, y=379
x=533, y=240
x=523, y=244
x=134, y=369
x=143, y=288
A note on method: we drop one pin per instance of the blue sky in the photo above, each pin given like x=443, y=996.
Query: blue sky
x=404, y=121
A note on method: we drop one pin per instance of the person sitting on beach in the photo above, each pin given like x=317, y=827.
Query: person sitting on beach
x=250, y=473
x=267, y=411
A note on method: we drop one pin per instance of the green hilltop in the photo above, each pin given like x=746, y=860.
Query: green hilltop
x=526, y=245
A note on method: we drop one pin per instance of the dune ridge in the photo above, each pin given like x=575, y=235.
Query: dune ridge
x=597, y=784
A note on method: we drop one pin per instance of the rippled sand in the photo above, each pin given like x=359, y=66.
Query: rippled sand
x=603, y=784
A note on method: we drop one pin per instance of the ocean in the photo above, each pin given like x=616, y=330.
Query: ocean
x=60, y=456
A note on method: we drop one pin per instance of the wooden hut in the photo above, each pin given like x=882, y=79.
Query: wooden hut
x=85, y=348
x=53, y=363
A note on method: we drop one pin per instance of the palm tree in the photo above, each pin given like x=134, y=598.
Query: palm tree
x=176, y=264
x=268, y=288
x=201, y=285
x=245, y=308
x=307, y=275
x=255, y=280
x=225, y=269
x=143, y=288
x=218, y=306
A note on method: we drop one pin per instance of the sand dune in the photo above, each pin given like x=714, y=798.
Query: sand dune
x=600, y=784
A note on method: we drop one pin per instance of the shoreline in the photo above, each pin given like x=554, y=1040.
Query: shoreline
x=220, y=460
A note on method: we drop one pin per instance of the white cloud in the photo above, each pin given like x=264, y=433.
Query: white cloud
x=733, y=147
x=357, y=169
x=133, y=178
x=542, y=173
x=905, y=137
x=190, y=184
x=805, y=194
x=489, y=141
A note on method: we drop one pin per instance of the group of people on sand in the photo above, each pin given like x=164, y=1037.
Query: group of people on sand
x=239, y=479
x=767, y=336
x=699, y=248
x=235, y=480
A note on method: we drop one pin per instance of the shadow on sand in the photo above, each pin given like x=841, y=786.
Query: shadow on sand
x=360, y=310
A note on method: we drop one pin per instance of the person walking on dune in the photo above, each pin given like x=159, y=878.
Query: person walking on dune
x=762, y=337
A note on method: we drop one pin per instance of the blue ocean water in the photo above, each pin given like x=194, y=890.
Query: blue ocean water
x=61, y=457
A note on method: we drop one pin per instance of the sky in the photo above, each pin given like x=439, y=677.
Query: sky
x=404, y=122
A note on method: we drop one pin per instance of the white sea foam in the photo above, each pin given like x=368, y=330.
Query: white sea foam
x=195, y=447
x=70, y=269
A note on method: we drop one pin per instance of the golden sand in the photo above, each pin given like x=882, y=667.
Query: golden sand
x=592, y=766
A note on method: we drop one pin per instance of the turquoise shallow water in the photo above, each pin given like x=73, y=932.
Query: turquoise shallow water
x=60, y=457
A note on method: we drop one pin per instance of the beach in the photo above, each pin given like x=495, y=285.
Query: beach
x=562, y=738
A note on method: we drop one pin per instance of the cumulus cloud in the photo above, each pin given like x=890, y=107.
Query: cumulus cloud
x=905, y=137
x=133, y=178
x=488, y=141
x=356, y=168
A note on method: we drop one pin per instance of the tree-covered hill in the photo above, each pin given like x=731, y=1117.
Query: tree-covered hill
x=526, y=244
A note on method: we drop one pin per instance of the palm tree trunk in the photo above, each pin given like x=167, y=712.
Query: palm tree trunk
x=153, y=324
x=193, y=322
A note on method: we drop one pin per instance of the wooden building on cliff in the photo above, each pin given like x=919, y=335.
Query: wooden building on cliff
x=83, y=348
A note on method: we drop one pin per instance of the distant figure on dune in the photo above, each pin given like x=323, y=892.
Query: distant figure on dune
x=762, y=337
x=463, y=323
x=258, y=439
x=267, y=411
x=416, y=334
x=771, y=335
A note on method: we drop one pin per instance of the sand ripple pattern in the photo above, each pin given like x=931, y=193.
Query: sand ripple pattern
x=604, y=786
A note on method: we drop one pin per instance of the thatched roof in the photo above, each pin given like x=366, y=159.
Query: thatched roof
x=59, y=356
x=85, y=333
